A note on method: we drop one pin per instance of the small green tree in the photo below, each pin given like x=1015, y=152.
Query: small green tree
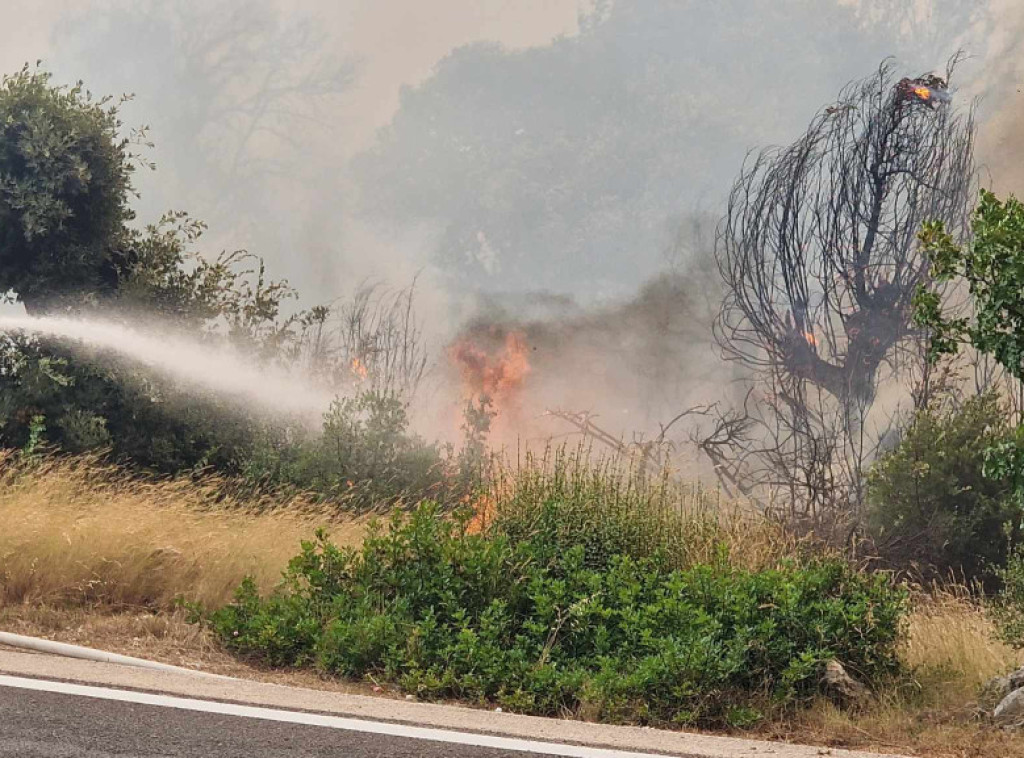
x=65, y=181
x=992, y=266
x=930, y=502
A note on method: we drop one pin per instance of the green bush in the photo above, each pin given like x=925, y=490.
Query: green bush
x=364, y=456
x=932, y=502
x=492, y=619
x=1007, y=610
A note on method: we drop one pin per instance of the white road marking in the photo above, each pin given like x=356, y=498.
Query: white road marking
x=314, y=719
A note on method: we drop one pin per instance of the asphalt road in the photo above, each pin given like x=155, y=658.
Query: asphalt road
x=56, y=706
x=50, y=725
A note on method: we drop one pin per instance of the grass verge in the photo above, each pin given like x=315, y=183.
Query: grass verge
x=76, y=565
x=952, y=648
x=77, y=532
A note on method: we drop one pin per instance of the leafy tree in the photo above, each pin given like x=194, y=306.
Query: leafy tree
x=991, y=268
x=991, y=265
x=930, y=502
x=65, y=179
x=52, y=394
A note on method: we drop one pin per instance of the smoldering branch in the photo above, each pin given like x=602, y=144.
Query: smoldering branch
x=818, y=247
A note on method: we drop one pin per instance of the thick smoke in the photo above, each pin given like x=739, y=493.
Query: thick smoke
x=1001, y=140
x=629, y=367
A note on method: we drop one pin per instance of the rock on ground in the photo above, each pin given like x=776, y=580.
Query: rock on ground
x=842, y=685
x=1010, y=712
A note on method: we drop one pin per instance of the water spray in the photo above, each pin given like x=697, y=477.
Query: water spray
x=219, y=370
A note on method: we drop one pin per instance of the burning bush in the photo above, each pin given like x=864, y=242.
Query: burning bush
x=493, y=365
x=495, y=372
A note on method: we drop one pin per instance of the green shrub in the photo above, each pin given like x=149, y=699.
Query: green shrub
x=931, y=501
x=1007, y=610
x=364, y=455
x=538, y=626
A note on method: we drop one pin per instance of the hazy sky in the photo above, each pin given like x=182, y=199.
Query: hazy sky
x=397, y=42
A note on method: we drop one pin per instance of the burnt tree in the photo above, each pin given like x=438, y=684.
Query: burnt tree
x=819, y=254
x=818, y=248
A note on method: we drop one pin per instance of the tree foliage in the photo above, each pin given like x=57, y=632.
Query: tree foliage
x=65, y=180
x=992, y=266
x=931, y=502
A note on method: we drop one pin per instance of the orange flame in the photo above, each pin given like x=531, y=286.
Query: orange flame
x=494, y=364
x=359, y=369
x=810, y=338
x=496, y=374
x=483, y=512
x=923, y=92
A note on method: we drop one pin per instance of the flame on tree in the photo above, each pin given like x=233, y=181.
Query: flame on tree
x=819, y=253
x=493, y=364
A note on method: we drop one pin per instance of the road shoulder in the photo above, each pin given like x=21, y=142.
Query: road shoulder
x=401, y=711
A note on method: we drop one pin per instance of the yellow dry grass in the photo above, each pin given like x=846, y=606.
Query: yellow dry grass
x=950, y=633
x=76, y=531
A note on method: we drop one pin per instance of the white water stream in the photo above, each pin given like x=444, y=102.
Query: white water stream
x=219, y=370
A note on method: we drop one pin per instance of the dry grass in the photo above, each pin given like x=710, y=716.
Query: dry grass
x=77, y=532
x=617, y=502
x=167, y=637
x=950, y=632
